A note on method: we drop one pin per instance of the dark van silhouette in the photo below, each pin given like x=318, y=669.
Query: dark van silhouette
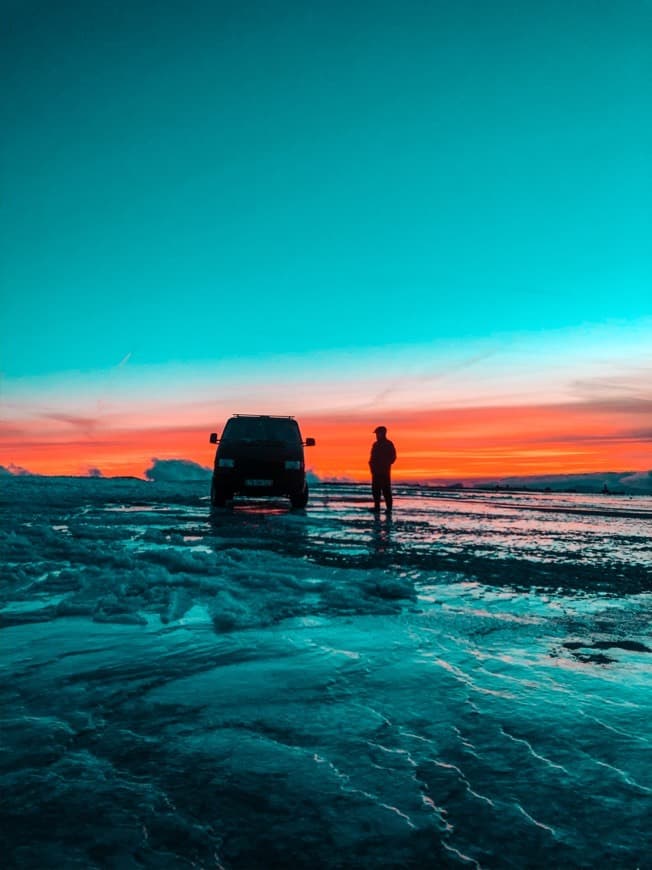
x=260, y=455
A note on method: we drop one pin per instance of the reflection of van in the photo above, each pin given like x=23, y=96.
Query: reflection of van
x=260, y=455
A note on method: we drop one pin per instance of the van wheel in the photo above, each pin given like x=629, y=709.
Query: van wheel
x=300, y=500
x=218, y=496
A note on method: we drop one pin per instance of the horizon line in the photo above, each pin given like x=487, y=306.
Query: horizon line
x=6, y=471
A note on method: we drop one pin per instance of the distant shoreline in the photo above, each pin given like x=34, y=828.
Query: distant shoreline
x=602, y=485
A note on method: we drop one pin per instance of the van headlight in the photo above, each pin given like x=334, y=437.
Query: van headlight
x=293, y=465
x=226, y=463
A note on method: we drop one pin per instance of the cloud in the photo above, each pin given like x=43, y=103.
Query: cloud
x=635, y=436
x=176, y=470
x=85, y=423
x=14, y=470
x=15, y=433
x=627, y=391
x=616, y=481
x=642, y=479
x=431, y=375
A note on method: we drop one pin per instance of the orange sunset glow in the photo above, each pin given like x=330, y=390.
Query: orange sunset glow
x=446, y=445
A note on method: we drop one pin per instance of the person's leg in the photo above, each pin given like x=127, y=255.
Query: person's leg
x=387, y=492
x=375, y=491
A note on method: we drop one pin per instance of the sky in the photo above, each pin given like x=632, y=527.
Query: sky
x=434, y=216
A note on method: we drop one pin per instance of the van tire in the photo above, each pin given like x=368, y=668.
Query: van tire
x=218, y=496
x=300, y=499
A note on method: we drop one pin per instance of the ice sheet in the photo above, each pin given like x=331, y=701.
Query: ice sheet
x=464, y=683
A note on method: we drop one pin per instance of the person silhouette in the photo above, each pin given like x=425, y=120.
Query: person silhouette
x=383, y=455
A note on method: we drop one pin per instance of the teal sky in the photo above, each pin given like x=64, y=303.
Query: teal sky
x=200, y=182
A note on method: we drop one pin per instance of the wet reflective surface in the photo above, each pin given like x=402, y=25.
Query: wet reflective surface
x=465, y=683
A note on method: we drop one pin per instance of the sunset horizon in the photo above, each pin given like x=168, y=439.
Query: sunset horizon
x=470, y=444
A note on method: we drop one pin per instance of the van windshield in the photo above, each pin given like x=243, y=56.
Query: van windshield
x=262, y=429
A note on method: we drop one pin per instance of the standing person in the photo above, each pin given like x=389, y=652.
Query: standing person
x=383, y=455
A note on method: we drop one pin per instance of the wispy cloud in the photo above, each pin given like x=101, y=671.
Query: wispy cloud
x=432, y=374
x=639, y=436
x=85, y=423
x=629, y=384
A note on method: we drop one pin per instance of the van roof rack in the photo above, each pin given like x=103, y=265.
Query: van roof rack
x=267, y=416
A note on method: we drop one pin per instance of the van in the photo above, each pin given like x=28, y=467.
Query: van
x=260, y=455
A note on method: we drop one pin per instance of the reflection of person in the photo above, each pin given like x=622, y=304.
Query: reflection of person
x=383, y=455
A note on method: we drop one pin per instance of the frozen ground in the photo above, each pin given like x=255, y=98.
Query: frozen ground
x=466, y=684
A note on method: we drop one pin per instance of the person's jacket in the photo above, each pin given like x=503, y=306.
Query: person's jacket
x=383, y=454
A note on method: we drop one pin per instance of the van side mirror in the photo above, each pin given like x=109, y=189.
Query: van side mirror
x=213, y=438
x=310, y=442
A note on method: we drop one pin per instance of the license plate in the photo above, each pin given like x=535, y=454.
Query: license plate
x=258, y=482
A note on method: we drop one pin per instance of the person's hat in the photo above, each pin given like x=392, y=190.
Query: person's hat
x=380, y=429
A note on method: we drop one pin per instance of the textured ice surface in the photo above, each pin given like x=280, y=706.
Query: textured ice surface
x=465, y=684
